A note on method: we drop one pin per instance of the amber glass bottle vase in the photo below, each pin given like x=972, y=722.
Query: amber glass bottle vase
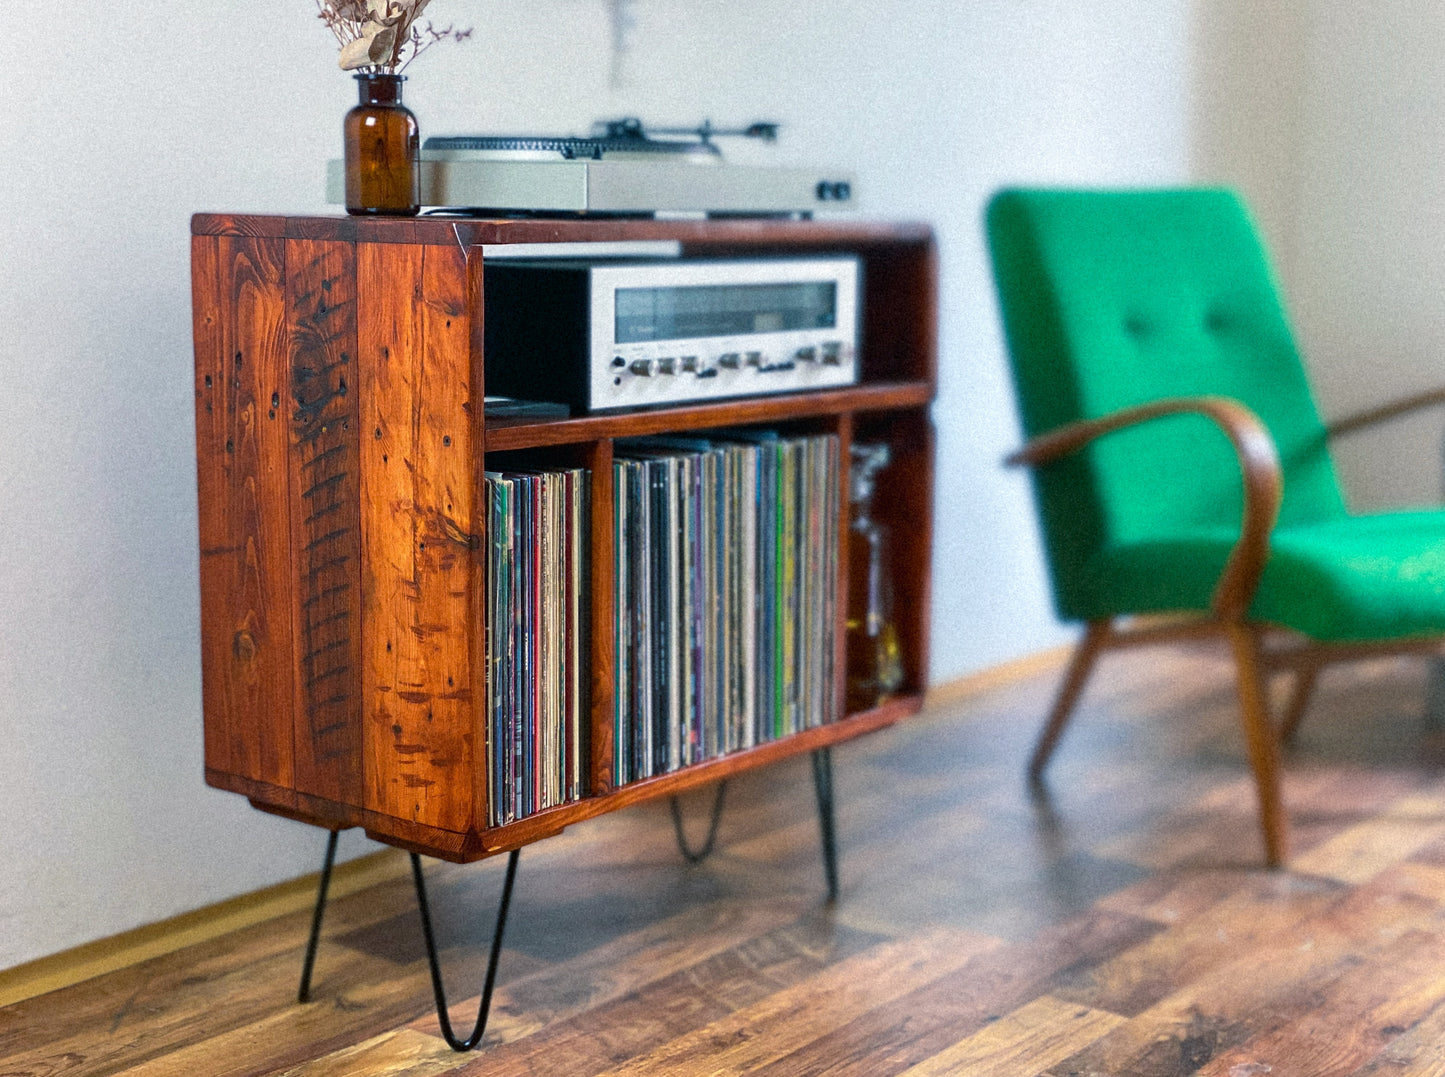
x=383, y=151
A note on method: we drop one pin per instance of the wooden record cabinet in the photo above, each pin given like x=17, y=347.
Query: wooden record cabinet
x=340, y=444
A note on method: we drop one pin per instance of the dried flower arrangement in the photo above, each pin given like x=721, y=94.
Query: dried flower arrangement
x=381, y=35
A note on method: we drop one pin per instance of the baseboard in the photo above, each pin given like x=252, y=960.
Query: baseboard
x=140, y=944
x=131, y=947
x=960, y=689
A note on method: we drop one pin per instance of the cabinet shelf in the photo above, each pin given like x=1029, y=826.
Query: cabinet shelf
x=340, y=459
x=553, y=820
x=520, y=433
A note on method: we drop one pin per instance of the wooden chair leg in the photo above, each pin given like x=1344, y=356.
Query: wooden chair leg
x=1259, y=738
x=1299, y=700
x=1080, y=666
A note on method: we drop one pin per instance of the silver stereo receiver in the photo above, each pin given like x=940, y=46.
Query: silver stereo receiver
x=604, y=335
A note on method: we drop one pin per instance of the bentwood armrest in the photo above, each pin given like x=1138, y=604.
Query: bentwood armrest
x=1360, y=420
x=1258, y=463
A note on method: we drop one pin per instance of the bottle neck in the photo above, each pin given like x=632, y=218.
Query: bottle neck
x=379, y=89
x=867, y=461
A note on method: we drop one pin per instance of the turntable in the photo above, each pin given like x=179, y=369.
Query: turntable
x=620, y=170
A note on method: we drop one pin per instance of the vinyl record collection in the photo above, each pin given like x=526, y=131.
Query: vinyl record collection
x=536, y=579
x=726, y=595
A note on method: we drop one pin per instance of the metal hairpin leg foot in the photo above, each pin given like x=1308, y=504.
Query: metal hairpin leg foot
x=304, y=993
x=699, y=855
x=443, y=1017
x=823, y=786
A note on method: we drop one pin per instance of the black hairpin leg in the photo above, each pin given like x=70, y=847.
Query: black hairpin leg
x=823, y=786
x=697, y=856
x=304, y=993
x=443, y=1017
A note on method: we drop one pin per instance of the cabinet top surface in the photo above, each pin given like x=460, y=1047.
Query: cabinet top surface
x=469, y=231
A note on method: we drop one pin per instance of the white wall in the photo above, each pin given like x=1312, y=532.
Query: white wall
x=1328, y=116
x=116, y=130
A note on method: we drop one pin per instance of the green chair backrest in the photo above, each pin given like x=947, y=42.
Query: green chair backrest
x=1116, y=298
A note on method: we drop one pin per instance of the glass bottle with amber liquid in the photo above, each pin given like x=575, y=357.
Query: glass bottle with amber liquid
x=382, y=150
x=875, y=666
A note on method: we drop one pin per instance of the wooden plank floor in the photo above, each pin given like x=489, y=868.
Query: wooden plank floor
x=1117, y=925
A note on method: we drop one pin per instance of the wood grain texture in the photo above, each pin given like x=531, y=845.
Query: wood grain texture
x=982, y=929
x=322, y=416
x=246, y=580
x=526, y=434
x=1039, y=1033
x=771, y=1030
x=600, y=648
x=352, y=509
x=420, y=543
x=238, y=224
x=843, y=526
x=1353, y=1017
x=697, y=236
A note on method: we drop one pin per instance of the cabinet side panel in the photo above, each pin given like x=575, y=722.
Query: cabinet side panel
x=843, y=534
x=477, y=619
x=420, y=550
x=900, y=290
x=599, y=650
x=908, y=513
x=246, y=596
x=320, y=411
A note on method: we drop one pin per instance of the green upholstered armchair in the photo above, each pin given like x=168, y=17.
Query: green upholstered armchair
x=1179, y=463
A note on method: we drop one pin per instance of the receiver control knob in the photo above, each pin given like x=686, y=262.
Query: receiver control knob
x=667, y=366
x=643, y=367
x=729, y=360
x=833, y=353
x=688, y=364
x=807, y=355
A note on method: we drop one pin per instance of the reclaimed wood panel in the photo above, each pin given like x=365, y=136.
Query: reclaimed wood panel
x=660, y=958
x=522, y=433
x=420, y=543
x=1252, y=981
x=1352, y=1018
x=770, y=1030
x=320, y=410
x=703, y=236
x=553, y=820
x=903, y=1030
x=667, y=1007
x=843, y=525
x=600, y=647
x=239, y=315
x=1037, y=1034
x=238, y=224
x=380, y=475
x=620, y=956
